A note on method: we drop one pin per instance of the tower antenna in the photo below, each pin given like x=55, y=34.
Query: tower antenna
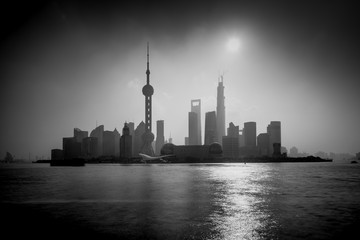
x=147, y=64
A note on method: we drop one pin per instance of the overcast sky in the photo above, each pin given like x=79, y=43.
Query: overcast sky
x=77, y=64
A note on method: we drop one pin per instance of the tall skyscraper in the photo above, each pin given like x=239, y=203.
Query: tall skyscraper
x=148, y=91
x=125, y=144
x=274, y=131
x=210, y=128
x=250, y=134
x=98, y=133
x=263, y=144
x=160, y=138
x=220, y=110
x=193, y=129
x=109, y=144
x=117, y=142
x=131, y=126
x=138, y=142
x=79, y=137
x=195, y=123
x=230, y=142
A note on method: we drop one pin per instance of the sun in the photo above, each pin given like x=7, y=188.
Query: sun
x=233, y=44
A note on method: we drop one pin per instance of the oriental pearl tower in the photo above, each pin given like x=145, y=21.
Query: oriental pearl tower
x=148, y=91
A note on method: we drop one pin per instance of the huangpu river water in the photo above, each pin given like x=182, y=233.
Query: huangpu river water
x=181, y=201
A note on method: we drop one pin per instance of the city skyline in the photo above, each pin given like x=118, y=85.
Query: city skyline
x=80, y=74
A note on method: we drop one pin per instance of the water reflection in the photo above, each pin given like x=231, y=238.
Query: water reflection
x=212, y=201
x=240, y=200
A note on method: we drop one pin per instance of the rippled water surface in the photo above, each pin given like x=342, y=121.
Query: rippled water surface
x=182, y=201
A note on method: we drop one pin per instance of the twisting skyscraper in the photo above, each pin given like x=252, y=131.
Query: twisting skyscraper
x=148, y=91
x=220, y=110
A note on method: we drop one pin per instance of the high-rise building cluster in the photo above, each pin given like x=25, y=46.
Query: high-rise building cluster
x=234, y=143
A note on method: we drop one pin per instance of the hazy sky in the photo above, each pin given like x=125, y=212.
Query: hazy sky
x=78, y=63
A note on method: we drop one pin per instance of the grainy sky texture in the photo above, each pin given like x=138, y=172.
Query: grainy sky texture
x=67, y=64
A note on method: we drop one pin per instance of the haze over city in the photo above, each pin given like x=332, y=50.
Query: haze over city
x=67, y=65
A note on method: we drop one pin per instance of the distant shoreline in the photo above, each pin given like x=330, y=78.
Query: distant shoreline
x=214, y=160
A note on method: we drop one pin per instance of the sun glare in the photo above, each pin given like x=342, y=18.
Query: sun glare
x=233, y=45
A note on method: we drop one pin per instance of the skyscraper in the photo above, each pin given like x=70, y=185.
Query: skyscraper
x=160, y=138
x=125, y=144
x=195, y=120
x=220, y=110
x=248, y=146
x=274, y=131
x=250, y=134
x=131, y=126
x=117, y=142
x=193, y=129
x=90, y=147
x=80, y=135
x=138, y=133
x=109, y=144
x=148, y=91
x=210, y=128
x=263, y=144
x=230, y=142
x=98, y=133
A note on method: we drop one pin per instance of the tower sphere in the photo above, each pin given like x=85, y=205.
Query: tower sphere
x=148, y=90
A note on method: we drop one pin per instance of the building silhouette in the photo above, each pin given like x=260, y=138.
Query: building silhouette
x=71, y=148
x=117, y=143
x=160, y=138
x=138, y=133
x=131, y=126
x=263, y=144
x=193, y=153
x=195, y=123
x=98, y=133
x=125, y=144
x=193, y=129
x=108, y=144
x=241, y=138
x=231, y=142
x=148, y=91
x=57, y=154
x=220, y=110
x=80, y=135
x=249, y=134
x=274, y=131
x=210, y=128
x=89, y=147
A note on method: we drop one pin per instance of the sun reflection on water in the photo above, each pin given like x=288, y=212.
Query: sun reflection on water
x=240, y=202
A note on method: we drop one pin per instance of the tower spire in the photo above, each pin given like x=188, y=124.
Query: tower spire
x=147, y=69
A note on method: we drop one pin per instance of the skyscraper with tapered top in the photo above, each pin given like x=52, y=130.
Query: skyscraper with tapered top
x=148, y=91
x=195, y=123
x=220, y=110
